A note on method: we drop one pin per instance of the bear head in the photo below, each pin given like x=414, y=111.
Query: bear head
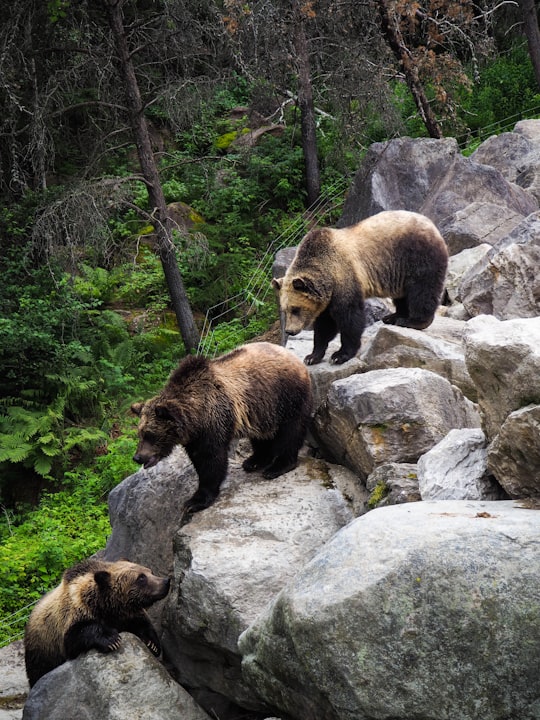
x=123, y=589
x=300, y=301
x=162, y=425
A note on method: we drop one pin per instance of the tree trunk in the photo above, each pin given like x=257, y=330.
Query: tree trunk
x=307, y=109
x=392, y=33
x=532, y=33
x=179, y=300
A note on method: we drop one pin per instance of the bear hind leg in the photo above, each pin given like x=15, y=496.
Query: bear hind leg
x=401, y=314
x=285, y=447
x=261, y=457
x=416, y=310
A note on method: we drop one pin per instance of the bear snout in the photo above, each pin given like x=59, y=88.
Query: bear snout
x=160, y=589
x=147, y=461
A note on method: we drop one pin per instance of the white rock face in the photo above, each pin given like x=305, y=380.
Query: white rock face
x=234, y=557
x=503, y=359
x=456, y=469
x=423, y=611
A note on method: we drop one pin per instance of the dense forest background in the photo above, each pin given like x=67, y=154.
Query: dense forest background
x=153, y=156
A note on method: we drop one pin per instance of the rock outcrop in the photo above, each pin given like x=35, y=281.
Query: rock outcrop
x=419, y=611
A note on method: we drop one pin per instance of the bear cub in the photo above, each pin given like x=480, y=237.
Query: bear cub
x=94, y=603
x=395, y=254
x=260, y=391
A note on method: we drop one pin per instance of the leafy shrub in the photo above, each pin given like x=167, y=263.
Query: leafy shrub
x=506, y=92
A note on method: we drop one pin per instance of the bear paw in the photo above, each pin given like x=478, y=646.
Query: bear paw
x=110, y=642
x=154, y=649
x=340, y=357
x=199, y=501
x=313, y=359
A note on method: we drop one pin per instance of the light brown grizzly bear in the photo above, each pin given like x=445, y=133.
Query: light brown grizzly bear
x=396, y=254
x=95, y=601
x=260, y=391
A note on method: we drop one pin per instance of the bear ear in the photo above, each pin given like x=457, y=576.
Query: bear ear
x=305, y=285
x=102, y=578
x=136, y=408
x=277, y=283
x=166, y=411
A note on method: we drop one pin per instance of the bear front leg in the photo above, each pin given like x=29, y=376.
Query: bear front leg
x=351, y=324
x=90, y=635
x=325, y=329
x=211, y=465
x=144, y=630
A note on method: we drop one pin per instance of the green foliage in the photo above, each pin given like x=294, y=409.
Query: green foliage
x=68, y=526
x=506, y=92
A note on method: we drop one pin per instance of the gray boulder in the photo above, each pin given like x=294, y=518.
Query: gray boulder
x=391, y=415
x=424, y=611
x=323, y=374
x=514, y=454
x=456, y=469
x=516, y=154
x=458, y=267
x=397, y=175
x=439, y=349
x=129, y=683
x=145, y=510
x=503, y=359
x=392, y=484
x=234, y=557
x=470, y=203
x=13, y=681
x=506, y=280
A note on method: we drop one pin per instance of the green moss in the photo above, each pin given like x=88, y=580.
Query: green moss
x=223, y=141
x=380, y=491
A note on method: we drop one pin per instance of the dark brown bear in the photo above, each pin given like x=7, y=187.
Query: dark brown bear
x=395, y=254
x=260, y=391
x=95, y=601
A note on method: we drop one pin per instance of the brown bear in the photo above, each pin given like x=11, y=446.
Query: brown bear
x=396, y=254
x=95, y=601
x=260, y=391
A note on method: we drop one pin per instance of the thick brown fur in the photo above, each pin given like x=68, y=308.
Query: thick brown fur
x=95, y=601
x=396, y=254
x=260, y=391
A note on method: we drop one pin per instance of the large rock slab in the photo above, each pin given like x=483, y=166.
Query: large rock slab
x=503, y=359
x=397, y=175
x=234, y=557
x=423, y=611
x=389, y=416
x=129, y=683
x=323, y=374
